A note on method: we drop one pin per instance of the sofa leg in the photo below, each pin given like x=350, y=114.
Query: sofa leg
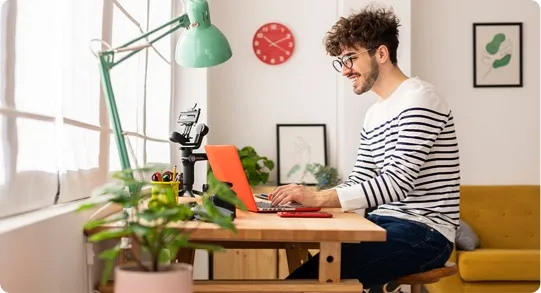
x=416, y=288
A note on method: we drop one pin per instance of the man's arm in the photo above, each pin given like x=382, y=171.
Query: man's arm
x=327, y=199
x=364, y=168
x=417, y=128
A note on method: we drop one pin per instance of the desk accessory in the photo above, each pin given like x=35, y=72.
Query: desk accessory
x=262, y=196
x=305, y=214
x=224, y=207
x=201, y=45
x=188, y=119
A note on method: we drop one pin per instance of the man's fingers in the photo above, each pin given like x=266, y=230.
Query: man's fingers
x=286, y=199
x=279, y=190
x=277, y=197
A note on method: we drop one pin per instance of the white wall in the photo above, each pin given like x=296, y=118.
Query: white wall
x=247, y=98
x=46, y=257
x=498, y=128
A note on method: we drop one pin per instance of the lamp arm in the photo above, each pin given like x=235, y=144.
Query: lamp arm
x=106, y=63
x=182, y=22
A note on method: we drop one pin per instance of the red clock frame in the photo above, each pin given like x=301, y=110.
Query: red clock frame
x=273, y=43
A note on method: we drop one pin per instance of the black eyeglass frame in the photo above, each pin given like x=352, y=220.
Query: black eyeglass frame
x=347, y=61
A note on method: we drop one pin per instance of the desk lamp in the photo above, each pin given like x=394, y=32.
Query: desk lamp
x=201, y=45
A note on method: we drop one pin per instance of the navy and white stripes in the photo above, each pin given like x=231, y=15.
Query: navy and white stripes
x=408, y=161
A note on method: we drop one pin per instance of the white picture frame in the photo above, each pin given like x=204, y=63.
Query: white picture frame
x=297, y=146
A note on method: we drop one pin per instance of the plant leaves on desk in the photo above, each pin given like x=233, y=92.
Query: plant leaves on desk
x=148, y=217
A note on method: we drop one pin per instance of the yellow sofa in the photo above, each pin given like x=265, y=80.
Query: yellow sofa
x=506, y=220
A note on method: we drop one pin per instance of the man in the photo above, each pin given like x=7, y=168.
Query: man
x=407, y=164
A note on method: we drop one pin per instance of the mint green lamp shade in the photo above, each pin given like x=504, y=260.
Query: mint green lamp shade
x=203, y=44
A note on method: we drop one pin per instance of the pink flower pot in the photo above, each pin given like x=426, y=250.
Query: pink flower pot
x=173, y=278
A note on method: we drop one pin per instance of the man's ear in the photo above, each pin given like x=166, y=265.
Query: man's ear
x=382, y=54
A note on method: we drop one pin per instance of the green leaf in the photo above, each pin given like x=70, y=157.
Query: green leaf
x=86, y=206
x=107, y=269
x=140, y=229
x=109, y=255
x=164, y=256
x=248, y=163
x=115, y=218
x=109, y=234
x=269, y=164
x=264, y=177
x=214, y=216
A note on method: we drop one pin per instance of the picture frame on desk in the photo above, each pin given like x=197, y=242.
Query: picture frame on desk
x=497, y=54
x=297, y=146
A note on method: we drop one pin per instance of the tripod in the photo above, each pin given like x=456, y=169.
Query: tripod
x=188, y=119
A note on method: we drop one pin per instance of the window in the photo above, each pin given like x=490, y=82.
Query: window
x=56, y=142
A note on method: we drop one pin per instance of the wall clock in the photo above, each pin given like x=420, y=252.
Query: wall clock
x=273, y=43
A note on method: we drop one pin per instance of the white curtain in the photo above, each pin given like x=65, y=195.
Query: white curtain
x=56, y=142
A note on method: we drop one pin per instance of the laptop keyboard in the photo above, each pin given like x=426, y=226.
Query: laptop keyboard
x=267, y=206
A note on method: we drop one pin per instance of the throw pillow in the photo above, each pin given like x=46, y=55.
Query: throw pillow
x=466, y=238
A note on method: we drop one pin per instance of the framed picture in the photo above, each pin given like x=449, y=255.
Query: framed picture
x=299, y=145
x=497, y=54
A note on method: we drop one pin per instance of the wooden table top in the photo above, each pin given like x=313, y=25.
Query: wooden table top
x=269, y=227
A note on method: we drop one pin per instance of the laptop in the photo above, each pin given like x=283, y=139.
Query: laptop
x=227, y=167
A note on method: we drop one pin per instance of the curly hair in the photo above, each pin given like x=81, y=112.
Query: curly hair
x=370, y=28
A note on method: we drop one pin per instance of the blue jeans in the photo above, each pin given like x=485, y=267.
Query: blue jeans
x=411, y=247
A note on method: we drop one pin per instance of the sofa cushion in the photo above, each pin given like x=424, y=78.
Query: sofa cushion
x=485, y=264
x=466, y=238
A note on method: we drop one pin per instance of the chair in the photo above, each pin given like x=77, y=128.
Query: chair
x=417, y=280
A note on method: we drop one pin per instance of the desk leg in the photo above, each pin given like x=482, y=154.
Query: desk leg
x=186, y=255
x=294, y=257
x=329, y=262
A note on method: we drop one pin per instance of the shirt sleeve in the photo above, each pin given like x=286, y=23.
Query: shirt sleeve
x=418, y=124
x=364, y=168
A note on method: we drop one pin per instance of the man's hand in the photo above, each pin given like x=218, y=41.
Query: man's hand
x=294, y=193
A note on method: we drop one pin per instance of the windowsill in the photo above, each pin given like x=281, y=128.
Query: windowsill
x=20, y=221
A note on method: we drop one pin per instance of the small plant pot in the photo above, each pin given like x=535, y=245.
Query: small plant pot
x=173, y=278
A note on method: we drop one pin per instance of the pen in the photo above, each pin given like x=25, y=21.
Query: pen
x=175, y=173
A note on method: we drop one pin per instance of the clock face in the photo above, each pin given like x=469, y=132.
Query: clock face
x=273, y=43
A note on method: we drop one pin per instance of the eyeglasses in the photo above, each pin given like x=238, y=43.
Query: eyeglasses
x=346, y=61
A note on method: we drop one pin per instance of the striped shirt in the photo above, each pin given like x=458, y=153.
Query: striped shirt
x=408, y=161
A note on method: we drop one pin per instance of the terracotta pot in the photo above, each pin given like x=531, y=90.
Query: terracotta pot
x=173, y=278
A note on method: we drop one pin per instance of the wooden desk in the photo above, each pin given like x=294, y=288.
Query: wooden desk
x=265, y=230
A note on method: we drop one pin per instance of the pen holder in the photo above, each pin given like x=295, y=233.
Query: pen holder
x=164, y=190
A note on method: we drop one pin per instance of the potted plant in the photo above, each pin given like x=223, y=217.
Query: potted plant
x=148, y=211
x=256, y=167
x=326, y=176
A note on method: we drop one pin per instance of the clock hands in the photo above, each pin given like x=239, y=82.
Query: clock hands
x=275, y=44
x=282, y=39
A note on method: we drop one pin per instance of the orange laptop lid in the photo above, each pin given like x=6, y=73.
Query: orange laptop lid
x=227, y=167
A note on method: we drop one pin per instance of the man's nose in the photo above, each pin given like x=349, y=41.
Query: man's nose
x=345, y=71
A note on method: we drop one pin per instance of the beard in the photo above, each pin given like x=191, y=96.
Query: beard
x=370, y=78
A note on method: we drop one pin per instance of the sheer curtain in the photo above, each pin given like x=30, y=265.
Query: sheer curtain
x=56, y=142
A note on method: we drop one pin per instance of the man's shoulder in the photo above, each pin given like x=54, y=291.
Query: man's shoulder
x=418, y=93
